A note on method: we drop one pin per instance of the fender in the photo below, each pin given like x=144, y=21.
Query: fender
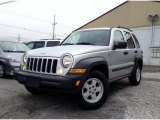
x=137, y=59
x=89, y=63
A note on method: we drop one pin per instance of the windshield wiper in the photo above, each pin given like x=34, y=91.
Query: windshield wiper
x=84, y=43
x=20, y=51
x=13, y=51
x=68, y=44
x=8, y=51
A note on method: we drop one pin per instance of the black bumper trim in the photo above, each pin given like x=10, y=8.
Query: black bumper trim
x=49, y=81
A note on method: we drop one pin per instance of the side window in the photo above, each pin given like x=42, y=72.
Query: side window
x=136, y=40
x=39, y=44
x=52, y=43
x=130, y=42
x=30, y=45
x=118, y=37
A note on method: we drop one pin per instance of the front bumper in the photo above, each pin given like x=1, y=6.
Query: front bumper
x=53, y=82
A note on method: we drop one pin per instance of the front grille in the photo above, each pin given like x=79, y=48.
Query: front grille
x=42, y=65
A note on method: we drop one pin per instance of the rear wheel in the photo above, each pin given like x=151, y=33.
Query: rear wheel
x=2, y=70
x=34, y=91
x=94, y=91
x=135, y=78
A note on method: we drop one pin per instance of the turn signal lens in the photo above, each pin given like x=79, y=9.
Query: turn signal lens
x=78, y=83
x=77, y=71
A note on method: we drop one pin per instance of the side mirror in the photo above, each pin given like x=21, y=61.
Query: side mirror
x=119, y=45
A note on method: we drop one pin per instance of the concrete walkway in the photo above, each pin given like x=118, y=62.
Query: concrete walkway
x=151, y=72
x=148, y=68
x=155, y=75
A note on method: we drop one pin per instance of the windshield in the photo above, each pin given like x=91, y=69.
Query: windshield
x=13, y=47
x=88, y=37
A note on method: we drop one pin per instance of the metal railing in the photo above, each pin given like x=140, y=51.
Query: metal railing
x=155, y=51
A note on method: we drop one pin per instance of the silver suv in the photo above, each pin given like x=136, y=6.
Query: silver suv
x=84, y=64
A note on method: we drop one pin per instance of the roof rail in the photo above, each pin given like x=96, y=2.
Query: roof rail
x=124, y=28
x=51, y=39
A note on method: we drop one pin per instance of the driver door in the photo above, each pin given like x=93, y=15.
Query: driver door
x=118, y=57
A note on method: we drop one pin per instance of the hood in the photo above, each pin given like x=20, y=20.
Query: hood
x=14, y=55
x=58, y=51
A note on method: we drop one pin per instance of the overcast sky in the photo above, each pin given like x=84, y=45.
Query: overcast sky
x=33, y=19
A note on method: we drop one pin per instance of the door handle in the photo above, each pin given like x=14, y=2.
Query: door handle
x=136, y=51
x=125, y=52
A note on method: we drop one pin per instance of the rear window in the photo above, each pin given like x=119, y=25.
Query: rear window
x=52, y=43
x=136, y=40
x=36, y=44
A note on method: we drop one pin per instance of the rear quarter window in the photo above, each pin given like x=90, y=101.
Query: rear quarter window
x=136, y=41
x=130, y=42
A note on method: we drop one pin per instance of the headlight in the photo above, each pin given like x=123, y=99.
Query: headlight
x=24, y=58
x=23, y=62
x=67, y=61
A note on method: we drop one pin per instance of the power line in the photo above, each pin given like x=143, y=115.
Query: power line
x=38, y=19
x=11, y=26
x=16, y=35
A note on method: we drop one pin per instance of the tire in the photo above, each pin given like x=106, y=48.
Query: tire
x=94, y=91
x=34, y=91
x=2, y=70
x=135, y=78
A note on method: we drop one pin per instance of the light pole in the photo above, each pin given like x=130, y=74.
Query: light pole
x=7, y=2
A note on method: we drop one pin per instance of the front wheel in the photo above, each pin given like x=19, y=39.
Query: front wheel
x=135, y=78
x=94, y=91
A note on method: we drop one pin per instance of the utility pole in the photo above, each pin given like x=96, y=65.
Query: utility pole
x=54, y=24
x=19, y=37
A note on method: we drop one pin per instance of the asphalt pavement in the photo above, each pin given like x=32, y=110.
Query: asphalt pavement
x=124, y=101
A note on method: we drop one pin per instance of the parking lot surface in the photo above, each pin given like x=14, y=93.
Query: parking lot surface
x=124, y=101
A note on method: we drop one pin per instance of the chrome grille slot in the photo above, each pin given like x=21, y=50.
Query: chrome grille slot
x=49, y=65
x=31, y=64
x=54, y=66
x=42, y=65
x=28, y=62
x=35, y=64
x=39, y=65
